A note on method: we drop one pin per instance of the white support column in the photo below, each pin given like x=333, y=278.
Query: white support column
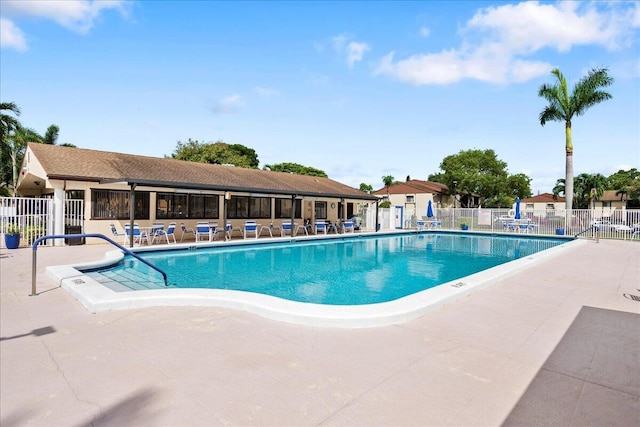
x=58, y=215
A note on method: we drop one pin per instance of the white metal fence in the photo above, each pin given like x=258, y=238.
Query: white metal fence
x=34, y=217
x=618, y=224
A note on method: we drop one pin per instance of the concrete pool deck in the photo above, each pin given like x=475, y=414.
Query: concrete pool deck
x=553, y=344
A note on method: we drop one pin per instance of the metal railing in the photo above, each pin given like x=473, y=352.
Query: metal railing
x=34, y=248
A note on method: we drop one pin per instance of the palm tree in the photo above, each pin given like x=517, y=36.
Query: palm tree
x=16, y=143
x=564, y=105
x=8, y=123
x=388, y=181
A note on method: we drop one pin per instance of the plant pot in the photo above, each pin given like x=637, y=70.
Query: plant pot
x=464, y=227
x=12, y=241
x=560, y=231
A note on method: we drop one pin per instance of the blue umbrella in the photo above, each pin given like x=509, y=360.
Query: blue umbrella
x=429, y=210
x=517, y=216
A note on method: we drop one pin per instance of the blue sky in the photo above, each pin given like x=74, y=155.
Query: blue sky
x=357, y=89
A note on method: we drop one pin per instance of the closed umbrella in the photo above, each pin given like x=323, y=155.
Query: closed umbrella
x=429, y=210
x=517, y=216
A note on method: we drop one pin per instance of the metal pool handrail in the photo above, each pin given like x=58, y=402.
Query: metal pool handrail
x=591, y=227
x=34, y=248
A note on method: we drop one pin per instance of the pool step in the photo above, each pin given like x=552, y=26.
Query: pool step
x=127, y=280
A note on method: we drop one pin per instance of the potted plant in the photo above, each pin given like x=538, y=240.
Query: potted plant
x=464, y=226
x=12, y=237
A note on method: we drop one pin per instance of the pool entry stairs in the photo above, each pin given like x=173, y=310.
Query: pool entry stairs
x=130, y=279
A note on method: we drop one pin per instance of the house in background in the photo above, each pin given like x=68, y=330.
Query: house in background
x=611, y=200
x=543, y=202
x=413, y=197
x=164, y=189
x=611, y=206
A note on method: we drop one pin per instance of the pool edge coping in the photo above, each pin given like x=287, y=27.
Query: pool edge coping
x=96, y=297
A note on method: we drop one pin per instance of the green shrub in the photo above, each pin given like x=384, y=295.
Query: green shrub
x=12, y=229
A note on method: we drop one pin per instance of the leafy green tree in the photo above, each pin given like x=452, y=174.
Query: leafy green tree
x=219, y=153
x=626, y=184
x=623, y=178
x=367, y=188
x=564, y=105
x=295, y=168
x=481, y=173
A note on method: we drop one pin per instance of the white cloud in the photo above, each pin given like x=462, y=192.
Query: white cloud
x=11, y=36
x=530, y=26
x=78, y=16
x=228, y=105
x=497, y=41
x=425, y=32
x=354, y=51
x=266, y=92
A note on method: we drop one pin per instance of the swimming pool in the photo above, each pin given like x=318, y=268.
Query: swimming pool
x=368, y=270
x=414, y=248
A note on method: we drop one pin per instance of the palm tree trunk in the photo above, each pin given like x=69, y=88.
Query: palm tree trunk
x=568, y=181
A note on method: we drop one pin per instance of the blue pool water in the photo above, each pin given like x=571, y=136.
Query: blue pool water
x=350, y=271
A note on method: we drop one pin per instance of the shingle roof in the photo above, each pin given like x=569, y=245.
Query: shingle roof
x=611, y=196
x=543, y=198
x=415, y=186
x=61, y=162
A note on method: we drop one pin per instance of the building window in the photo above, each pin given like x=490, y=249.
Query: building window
x=321, y=210
x=606, y=204
x=114, y=204
x=529, y=206
x=411, y=199
x=171, y=206
x=244, y=207
x=74, y=195
x=180, y=206
x=204, y=206
x=283, y=208
x=551, y=206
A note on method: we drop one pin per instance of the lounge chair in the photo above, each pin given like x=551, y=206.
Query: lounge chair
x=116, y=234
x=169, y=232
x=321, y=226
x=137, y=234
x=228, y=231
x=250, y=227
x=286, y=229
x=348, y=227
x=203, y=229
x=421, y=225
x=186, y=230
x=157, y=229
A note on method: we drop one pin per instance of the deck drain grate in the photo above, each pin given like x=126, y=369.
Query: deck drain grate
x=632, y=297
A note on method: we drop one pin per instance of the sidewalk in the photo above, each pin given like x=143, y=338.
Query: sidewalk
x=556, y=344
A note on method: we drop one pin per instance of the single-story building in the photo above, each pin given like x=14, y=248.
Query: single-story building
x=543, y=202
x=165, y=189
x=413, y=197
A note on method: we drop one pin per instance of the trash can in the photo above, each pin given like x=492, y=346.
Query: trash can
x=73, y=229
